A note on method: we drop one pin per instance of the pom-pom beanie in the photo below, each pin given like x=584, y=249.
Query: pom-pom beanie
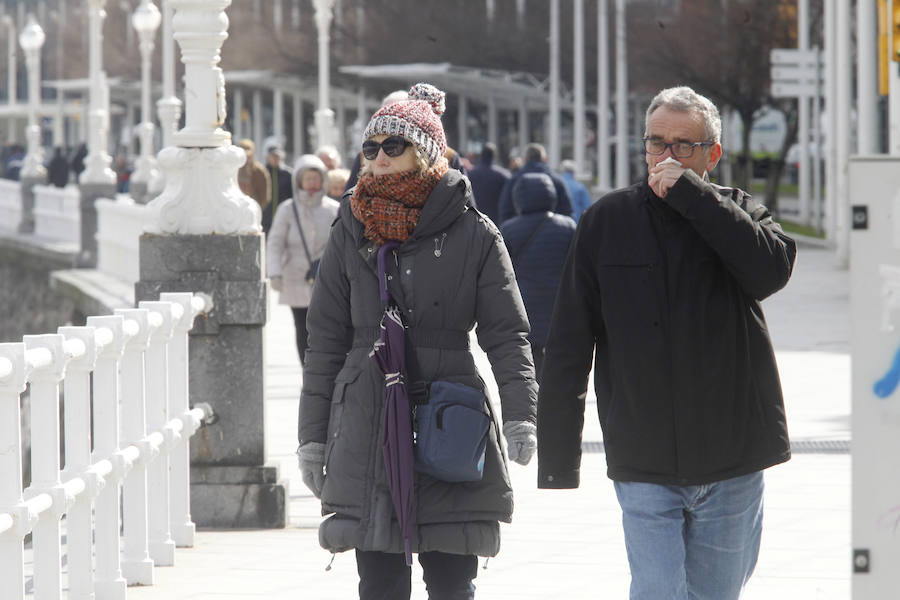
x=417, y=119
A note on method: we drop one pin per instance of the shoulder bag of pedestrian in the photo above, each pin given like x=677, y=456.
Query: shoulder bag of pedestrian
x=313, y=264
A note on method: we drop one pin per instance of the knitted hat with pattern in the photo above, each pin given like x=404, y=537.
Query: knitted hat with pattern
x=417, y=119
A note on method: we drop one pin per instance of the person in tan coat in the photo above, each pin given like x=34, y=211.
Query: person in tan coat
x=252, y=177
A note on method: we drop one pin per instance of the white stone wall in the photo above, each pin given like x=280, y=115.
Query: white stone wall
x=57, y=213
x=10, y=205
x=120, y=223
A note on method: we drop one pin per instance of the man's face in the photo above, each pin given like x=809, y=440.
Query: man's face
x=670, y=126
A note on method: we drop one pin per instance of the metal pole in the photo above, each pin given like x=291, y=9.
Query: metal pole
x=169, y=106
x=324, y=115
x=842, y=202
x=523, y=126
x=462, y=122
x=553, y=121
x=237, y=121
x=603, y=166
x=622, y=159
x=578, y=85
x=98, y=159
x=298, y=124
x=866, y=69
x=12, y=69
x=493, y=129
x=803, y=117
x=277, y=117
x=831, y=165
x=894, y=99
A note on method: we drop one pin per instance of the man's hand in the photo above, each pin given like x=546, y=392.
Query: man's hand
x=664, y=175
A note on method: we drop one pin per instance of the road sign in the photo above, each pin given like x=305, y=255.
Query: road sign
x=795, y=73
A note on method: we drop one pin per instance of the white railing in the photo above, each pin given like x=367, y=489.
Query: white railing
x=120, y=223
x=136, y=359
x=10, y=205
x=57, y=213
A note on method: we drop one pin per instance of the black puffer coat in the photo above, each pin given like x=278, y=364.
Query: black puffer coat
x=451, y=275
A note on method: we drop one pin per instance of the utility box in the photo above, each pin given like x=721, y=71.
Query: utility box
x=874, y=184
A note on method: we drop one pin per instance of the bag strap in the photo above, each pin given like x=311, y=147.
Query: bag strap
x=521, y=249
x=302, y=235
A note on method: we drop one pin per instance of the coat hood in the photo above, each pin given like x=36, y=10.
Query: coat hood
x=305, y=163
x=534, y=192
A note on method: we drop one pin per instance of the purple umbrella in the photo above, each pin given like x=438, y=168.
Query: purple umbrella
x=389, y=353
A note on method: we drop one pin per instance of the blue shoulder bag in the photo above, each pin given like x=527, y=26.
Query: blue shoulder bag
x=450, y=432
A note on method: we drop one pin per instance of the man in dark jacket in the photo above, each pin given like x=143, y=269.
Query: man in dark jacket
x=535, y=162
x=662, y=287
x=58, y=169
x=488, y=180
x=280, y=184
x=538, y=241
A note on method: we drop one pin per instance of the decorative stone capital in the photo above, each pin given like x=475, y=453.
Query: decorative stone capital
x=202, y=194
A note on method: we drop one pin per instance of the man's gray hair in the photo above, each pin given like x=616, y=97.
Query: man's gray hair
x=684, y=99
x=535, y=152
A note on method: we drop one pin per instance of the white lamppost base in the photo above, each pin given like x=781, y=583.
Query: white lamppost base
x=202, y=194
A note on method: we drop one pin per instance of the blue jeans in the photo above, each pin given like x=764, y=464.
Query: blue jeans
x=385, y=576
x=696, y=542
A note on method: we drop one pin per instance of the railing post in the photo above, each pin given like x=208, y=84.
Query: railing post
x=79, y=524
x=108, y=581
x=45, y=465
x=137, y=566
x=182, y=526
x=162, y=546
x=12, y=555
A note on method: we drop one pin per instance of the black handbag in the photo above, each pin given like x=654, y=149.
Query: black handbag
x=313, y=271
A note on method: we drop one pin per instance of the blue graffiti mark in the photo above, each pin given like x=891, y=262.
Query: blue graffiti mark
x=885, y=386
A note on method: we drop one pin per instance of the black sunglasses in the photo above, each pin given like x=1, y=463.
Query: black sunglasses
x=393, y=146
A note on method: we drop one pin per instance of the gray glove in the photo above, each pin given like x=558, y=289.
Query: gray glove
x=275, y=282
x=311, y=456
x=521, y=440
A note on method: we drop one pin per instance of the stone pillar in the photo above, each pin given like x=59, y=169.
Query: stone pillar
x=203, y=235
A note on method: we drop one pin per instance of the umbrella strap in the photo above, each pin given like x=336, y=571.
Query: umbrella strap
x=387, y=247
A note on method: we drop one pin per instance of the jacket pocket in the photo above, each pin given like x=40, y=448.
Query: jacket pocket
x=344, y=379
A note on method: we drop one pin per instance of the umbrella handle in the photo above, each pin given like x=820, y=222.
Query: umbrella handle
x=388, y=246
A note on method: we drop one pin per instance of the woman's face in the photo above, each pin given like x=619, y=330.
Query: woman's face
x=386, y=165
x=311, y=181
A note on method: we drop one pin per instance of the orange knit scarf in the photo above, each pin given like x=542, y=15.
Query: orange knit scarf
x=389, y=205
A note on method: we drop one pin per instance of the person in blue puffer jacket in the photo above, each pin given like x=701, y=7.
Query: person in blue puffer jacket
x=538, y=241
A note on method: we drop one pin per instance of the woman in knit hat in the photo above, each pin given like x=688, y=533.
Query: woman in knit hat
x=290, y=251
x=450, y=273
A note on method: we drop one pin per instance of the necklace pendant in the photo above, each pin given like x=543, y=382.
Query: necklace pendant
x=437, y=253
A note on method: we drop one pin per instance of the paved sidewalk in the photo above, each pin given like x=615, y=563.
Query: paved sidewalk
x=568, y=544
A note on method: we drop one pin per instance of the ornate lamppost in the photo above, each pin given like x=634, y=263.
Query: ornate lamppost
x=32, y=39
x=204, y=219
x=145, y=20
x=324, y=116
x=97, y=180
